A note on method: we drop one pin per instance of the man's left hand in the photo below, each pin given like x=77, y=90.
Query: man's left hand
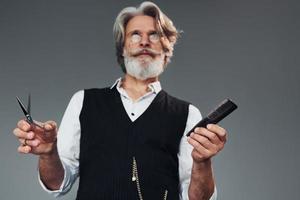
x=207, y=142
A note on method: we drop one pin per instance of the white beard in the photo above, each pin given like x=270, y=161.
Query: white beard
x=143, y=69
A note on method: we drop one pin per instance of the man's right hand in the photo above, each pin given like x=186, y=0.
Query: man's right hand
x=42, y=142
x=36, y=140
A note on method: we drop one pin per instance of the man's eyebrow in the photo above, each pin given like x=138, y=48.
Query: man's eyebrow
x=133, y=31
x=153, y=32
x=138, y=31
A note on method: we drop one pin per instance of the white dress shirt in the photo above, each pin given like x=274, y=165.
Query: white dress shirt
x=69, y=137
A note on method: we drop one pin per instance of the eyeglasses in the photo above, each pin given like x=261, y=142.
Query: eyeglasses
x=137, y=37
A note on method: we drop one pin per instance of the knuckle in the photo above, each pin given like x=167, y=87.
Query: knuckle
x=27, y=149
x=22, y=123
x=15, y=131
x=194, y=136
x=19, y=123
x=191, y=141
x=21, y=149
x=30, y=135
x=197, y=145
x=18, y=133
x=199, y=130
x=196, y=130
x=202, y=130
x=203, y=140
x=24, y=127
x=214, y=137
x=214, y=151
x=208, y=153
x=223, y=133
x=30, y=143
x=223, y=129
x=54, y=123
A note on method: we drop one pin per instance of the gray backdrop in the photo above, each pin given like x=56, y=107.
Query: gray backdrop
x=245, y=50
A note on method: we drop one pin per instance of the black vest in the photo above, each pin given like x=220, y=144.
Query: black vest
x=110, y=141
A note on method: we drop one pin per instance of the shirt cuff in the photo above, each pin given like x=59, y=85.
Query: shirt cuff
x=214, y=195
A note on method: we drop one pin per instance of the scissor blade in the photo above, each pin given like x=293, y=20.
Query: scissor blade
x=22, y=106
x=26, y=113
x=29, y=104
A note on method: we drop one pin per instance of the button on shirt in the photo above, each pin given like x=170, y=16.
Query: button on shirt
x=69, y=137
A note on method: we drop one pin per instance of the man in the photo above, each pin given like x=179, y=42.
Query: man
x=128, y=141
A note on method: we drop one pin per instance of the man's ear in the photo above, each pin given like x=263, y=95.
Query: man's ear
x=165, y=61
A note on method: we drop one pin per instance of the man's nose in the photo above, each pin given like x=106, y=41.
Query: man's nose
x=145, y=41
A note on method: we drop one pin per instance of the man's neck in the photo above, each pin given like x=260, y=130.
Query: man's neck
x=136, y=88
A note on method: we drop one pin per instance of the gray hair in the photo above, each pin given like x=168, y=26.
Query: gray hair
x=164, y=26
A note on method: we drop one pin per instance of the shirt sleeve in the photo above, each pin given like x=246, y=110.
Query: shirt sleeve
x=68, y=140
x=184, y=156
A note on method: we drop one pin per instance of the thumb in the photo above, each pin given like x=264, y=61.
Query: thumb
x=50, y=125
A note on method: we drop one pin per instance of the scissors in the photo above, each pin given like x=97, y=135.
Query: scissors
x=27, y=112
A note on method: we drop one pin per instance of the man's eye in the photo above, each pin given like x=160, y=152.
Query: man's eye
x=154, y=37
x=135, y=38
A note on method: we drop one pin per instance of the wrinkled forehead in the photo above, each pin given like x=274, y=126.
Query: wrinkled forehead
x=142, y=23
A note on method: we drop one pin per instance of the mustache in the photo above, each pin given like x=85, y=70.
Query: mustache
x=140, y=51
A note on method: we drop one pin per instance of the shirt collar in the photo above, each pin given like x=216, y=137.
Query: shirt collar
x=117, y=83
x=155, y=87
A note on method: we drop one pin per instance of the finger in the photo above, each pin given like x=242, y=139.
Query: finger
x=32, y=143
x=24, y=149
x=221, y=132
x=45, y=127
x=22, y=134
x=201, y=150
x=24, y=125
x=213, y=137
x=204, y=141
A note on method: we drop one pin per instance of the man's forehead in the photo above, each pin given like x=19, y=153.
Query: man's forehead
x=141, y=22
